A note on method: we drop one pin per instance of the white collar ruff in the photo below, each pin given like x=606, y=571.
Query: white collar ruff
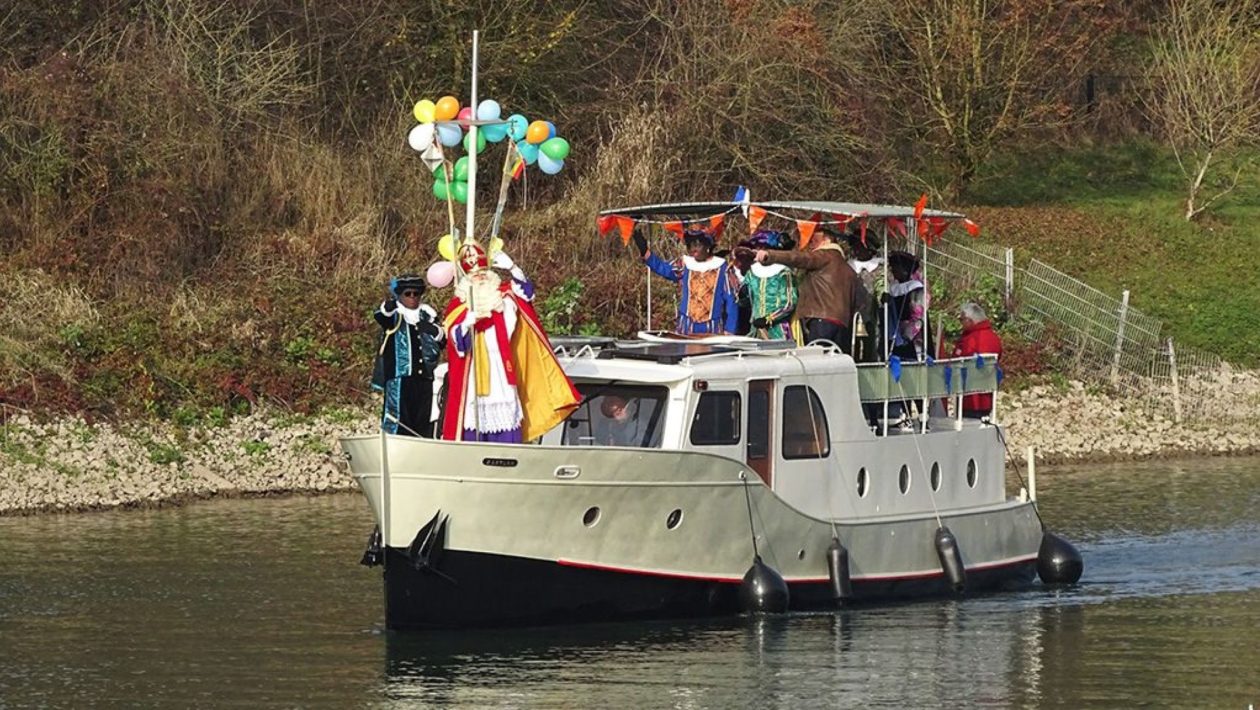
x=900, y=289
x=765, y=271
x=710, y=264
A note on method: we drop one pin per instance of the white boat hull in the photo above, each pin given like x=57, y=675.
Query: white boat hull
x=538, y=534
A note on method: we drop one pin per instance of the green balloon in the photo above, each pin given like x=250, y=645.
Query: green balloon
x=441, y=190
x=461, y=168
x=439, y=175
x=460, y=190
x=555, y=148
x=481, y=142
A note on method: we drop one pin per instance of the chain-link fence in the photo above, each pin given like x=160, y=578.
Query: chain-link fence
x=1100, y=338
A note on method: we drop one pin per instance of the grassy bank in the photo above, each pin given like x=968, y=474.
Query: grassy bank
x=200, y=205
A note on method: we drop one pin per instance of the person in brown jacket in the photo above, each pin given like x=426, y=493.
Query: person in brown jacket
x=825, y=305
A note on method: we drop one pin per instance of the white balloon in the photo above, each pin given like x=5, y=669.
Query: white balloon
x=420, y=137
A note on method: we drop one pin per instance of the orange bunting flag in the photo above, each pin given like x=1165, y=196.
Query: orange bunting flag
x=972, y=228
x=716, y=224
x=921, y=227
x=625, y=225
x=755, y=215
x=919, y=206
x=675, y=227
x=806, y=229
x=605, y=224
x=863, y=231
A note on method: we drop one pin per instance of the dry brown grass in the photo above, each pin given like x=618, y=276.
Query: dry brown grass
x=39, y=320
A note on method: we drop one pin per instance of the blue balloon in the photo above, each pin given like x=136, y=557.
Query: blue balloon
x=551, y=129
x=517, y=125
x=449, y=134
x=551, y=166
x=495, y=133
x=489, y=110
x=528, y=151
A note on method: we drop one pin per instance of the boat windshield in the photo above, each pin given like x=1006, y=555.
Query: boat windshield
x=617, y=415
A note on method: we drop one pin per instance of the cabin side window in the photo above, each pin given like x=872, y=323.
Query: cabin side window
x=717, y=419
x=805, y=434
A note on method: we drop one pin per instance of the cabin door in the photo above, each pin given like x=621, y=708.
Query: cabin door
x=758, y=453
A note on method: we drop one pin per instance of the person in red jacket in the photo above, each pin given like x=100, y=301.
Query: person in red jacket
x=977, y=337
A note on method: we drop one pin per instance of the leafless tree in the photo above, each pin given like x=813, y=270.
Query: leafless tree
x=1205, y=90
x=966, y=75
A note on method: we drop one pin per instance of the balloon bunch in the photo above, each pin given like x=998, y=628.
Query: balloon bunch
x=443, y=124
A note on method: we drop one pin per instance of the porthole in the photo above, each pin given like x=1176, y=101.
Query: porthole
x=674, y=518
x=903, y=479
x=936, y=476
x=971, y=473
x=591, y=516
x=863, y=483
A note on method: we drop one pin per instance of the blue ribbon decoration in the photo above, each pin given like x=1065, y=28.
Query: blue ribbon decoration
x=1000, y=374
x=979, y=362
x=894, y=365
x=964, y=379
x=949, y=377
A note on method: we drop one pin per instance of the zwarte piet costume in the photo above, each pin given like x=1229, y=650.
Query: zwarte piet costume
x=707, y=303
x=411, y=345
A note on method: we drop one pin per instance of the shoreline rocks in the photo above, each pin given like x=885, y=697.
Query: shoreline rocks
x=69, y=465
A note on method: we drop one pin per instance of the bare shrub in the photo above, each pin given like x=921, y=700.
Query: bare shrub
x=960, y=79
x=1205, y=90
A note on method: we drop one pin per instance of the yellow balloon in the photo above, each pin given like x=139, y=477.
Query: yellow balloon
x=424, y=111
x=446, y=247
x=496, y=245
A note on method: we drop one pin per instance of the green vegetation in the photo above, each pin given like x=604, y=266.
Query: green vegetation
x=200, y=204
x=1110, y=216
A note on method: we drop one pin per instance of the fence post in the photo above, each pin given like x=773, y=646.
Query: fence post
x=1010, y=275
x=1176, y=382
x=1115, y=361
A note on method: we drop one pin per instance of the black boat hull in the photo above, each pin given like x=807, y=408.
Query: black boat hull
x=472, y=589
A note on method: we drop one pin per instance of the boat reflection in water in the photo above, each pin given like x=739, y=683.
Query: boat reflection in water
x=909, y=655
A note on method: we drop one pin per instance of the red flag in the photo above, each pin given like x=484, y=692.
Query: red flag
x=897, y=225
x=937, y=227
x=675, y=227
x=919, y=206
x=755, y=215
x=806, y=228
x=605, y=223
x=863, y=231
x=972, y=228
x=518, y=169
x=625, y=225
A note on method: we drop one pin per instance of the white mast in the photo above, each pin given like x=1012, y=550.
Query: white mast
x=471, y=205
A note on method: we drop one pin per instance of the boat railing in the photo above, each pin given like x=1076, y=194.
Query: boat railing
x=881, y=382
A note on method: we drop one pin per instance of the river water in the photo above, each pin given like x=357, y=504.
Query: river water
x=262, y=603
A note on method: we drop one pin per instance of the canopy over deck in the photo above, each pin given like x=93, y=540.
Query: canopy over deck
x=805, y=208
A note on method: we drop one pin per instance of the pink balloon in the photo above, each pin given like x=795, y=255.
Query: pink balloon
x=440, y=274
x=465, y=115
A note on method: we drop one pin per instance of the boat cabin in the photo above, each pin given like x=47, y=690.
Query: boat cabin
x=799, y=417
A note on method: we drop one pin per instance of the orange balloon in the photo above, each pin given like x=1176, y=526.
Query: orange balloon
x=537, y=132
x=447, y=108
